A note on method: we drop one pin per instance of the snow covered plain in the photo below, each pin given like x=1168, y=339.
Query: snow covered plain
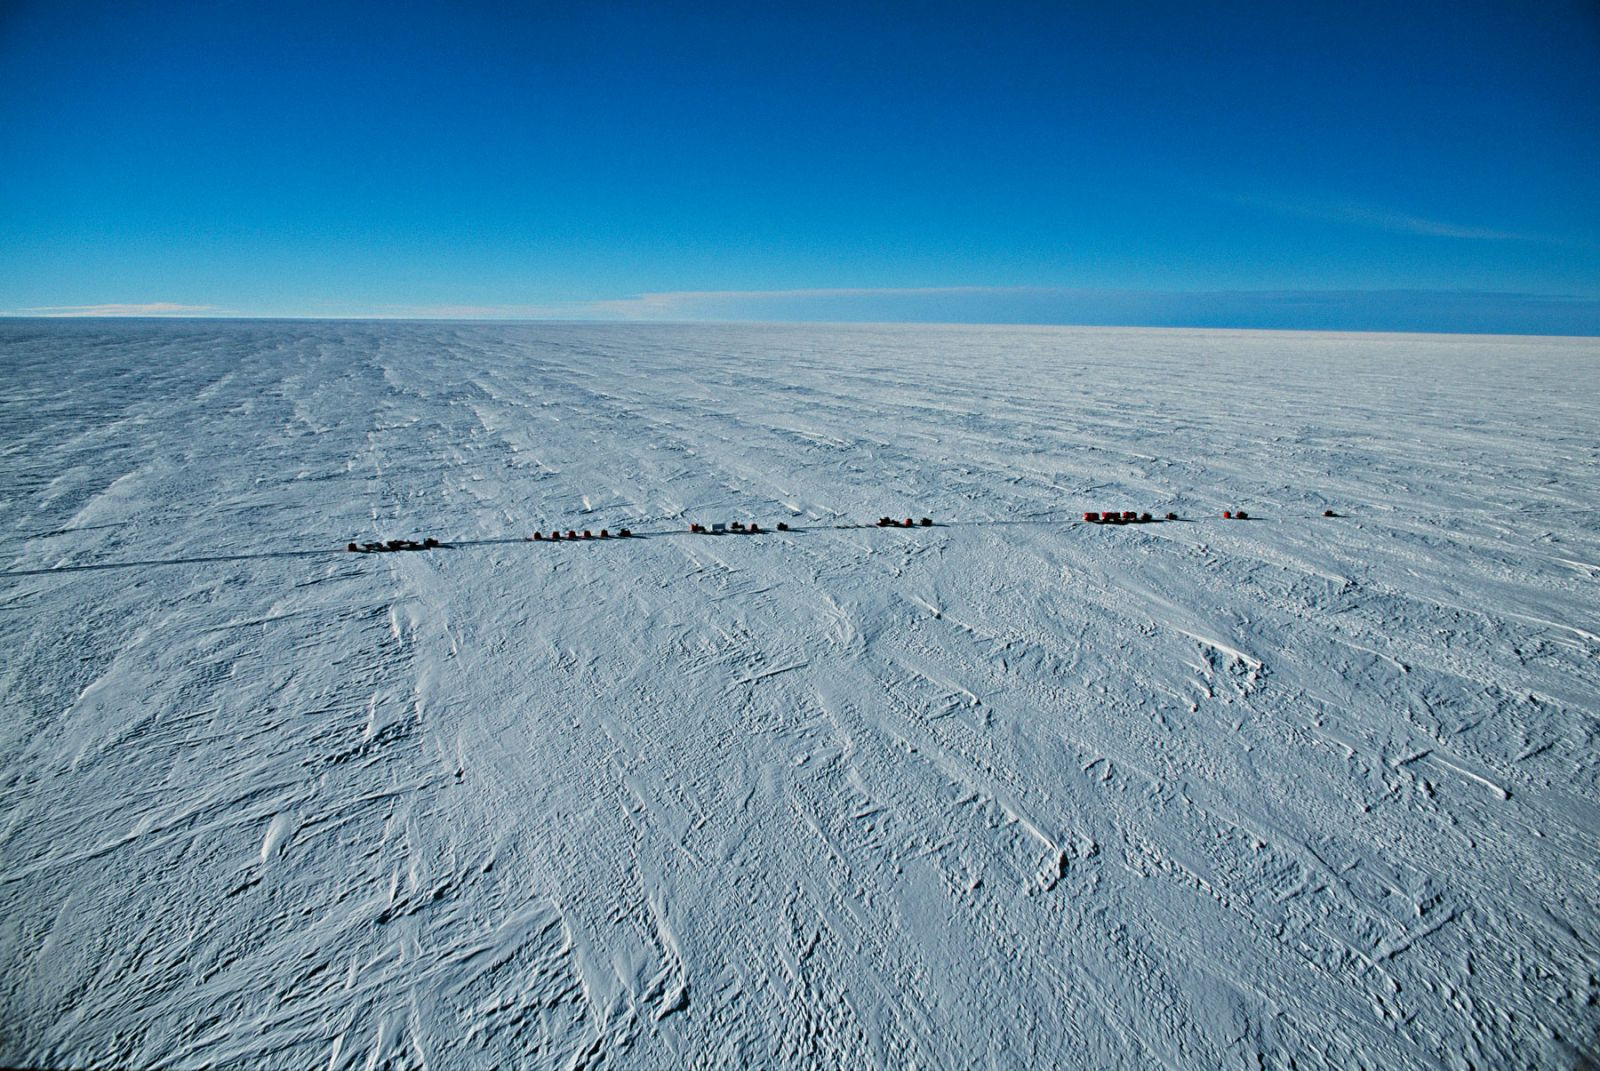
x=1014, y=791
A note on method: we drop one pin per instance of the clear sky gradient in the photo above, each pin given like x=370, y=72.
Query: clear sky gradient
x=1392, y=165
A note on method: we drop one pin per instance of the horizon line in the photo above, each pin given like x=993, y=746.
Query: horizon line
x=594, y=322
x=1391, y=310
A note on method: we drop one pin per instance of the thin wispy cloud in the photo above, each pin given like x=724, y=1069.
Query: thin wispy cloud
x=676, y=303
x=1350, y=310
x=464, y=311
x=149, y=308
x=665, y=304
x=1378, y=217
x=1367, y=310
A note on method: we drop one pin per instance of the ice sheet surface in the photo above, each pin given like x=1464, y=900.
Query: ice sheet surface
x=1012, y=791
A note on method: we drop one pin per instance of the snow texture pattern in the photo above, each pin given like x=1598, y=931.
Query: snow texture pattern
x=1010, y=791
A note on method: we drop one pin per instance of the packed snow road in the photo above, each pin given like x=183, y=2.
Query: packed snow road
x=1010, y=791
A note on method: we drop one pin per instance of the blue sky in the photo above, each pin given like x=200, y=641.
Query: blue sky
x=1370, y=166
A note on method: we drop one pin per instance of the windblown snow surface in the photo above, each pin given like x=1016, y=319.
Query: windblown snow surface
x=1013, y=791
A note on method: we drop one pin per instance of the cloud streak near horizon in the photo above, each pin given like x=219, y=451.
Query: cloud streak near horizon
x=149, y=308
x=1485, y=312
x=1356, y=310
